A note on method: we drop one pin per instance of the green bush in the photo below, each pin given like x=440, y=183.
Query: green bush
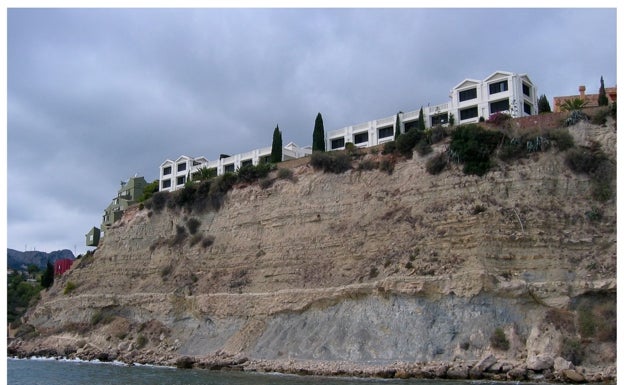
x=572, y=350
x=165, y=271
x=69, y=287
x=606, y=315
x=602, y=181
x=186, y=197
x=350, y=148
x=179, y=237
x=159, y=200
x=141, y=341
x=599, y=117
x=335, y=162
x=594, y=162
x=472, y=145
x=149, y=190
x=285, y=173
x=406, y=142
x=251, y=173
x=101, y=317
x=387, y=165
x=265, y=183
x=478, y=209
x=20, y=296
x=219, y=187
x=423, y=148
x=436, y=164
x=195, y=239
x=367, y=165
x=595, y=214
x=438, y=133
x=193, y=225
x=511, y=149
x=562, y=138
x=586, y=322
x=498, y=340
x=389, y=148
x=207, y=242
x=584, y=160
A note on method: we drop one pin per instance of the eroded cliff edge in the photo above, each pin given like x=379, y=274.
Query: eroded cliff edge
x=364, y=267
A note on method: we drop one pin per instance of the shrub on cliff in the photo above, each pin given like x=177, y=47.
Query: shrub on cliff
x=572, y=350
x=149, y=190
x=472, y=146
x=69, y=287
x=436, y=164
x=498, y=340
x=406, y=142
x=562, y=138
x=186, y=197
x=193, y=225
x=334, y=162
x=595, y=163
x=159, y=200
x=251, y=173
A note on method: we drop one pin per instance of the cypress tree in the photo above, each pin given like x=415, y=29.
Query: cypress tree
x=397, y=127
x=602, y=94
x=318, y=136
x=421, y=120
x=47, y=279
x=276, y=146
x=542, y=105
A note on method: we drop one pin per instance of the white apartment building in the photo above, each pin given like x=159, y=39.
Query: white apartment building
x=175, y=173
x=469, y=101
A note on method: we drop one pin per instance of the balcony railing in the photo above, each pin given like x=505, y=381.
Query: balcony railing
x=438, y=108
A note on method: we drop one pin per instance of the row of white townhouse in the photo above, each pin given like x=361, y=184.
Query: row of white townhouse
x=175, y=173
x=469, y=101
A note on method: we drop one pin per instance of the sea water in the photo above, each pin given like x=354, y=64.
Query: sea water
x=69, y=372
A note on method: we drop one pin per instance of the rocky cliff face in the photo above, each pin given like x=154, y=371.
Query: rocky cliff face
x=365, y=267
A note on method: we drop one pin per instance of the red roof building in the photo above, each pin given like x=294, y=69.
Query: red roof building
x=62, y=265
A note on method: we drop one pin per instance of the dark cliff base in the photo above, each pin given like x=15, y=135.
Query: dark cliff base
x=488, y=368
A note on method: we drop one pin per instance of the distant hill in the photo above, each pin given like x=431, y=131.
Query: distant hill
x=19, y=260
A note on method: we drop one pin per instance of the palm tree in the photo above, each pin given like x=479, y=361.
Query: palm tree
x=573, y=104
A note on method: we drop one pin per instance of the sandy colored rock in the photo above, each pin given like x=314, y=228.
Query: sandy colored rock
x=358, y=267
x=573, y=375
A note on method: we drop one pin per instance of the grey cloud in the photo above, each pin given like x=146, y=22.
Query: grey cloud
x=97, y=95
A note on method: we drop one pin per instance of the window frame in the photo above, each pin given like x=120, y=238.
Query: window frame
x=337, y=143
x=357, y=137
x=382, y=131
x=496, y=87
x=467, y=92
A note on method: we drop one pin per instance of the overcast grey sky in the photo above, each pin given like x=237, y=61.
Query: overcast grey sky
x=96, y=96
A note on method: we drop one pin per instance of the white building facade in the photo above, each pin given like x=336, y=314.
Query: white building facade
x=470, y=100
x=174, y=174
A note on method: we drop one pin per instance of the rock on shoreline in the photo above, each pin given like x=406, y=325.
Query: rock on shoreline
x=487, y=368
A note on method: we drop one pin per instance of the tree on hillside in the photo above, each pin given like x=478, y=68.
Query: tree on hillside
x=318, y=136
x=421, y=120
x=397, y=127
x=602, y=94
x=47, y=279
x=149, y=190
x=276, y=147
x=542, y=105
